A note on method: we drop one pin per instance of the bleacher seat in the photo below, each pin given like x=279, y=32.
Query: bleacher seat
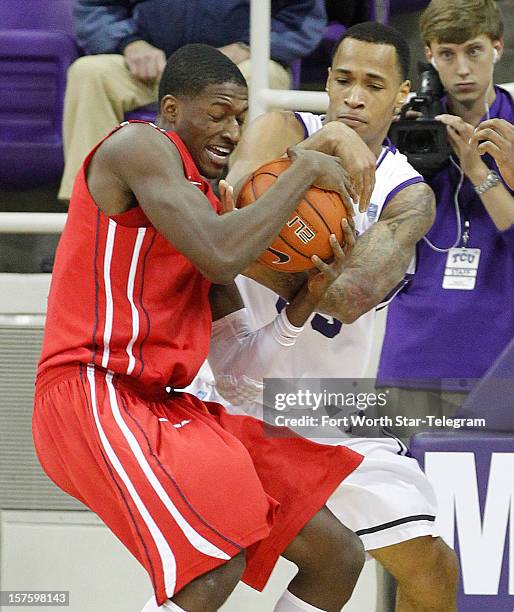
x=143, y=113
x=36, y=48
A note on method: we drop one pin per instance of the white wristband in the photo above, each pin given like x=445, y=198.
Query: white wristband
x=284, y=332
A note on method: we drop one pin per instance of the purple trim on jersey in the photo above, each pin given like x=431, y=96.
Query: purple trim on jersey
x=389, y=297
x=398, y=188
x=387, y=143
x=300, y=119
x=382, y=156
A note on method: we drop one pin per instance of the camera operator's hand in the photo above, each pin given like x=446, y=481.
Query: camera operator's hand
x=410, y=114
x=496, y=137
x=459, y=134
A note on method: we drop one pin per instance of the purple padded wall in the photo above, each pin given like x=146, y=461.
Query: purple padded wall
x=36, y=48
x=493, y=397
x=481, y=460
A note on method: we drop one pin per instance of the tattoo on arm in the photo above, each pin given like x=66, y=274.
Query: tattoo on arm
x=285, y=284
x=381, y=255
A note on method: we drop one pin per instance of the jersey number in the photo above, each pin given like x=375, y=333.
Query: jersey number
x=326, y=326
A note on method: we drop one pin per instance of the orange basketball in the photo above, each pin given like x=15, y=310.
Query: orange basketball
x=307, y=232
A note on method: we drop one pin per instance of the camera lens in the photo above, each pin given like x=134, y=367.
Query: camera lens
x=418, y=141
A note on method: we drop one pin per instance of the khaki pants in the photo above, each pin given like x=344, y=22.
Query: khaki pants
x=100, y=90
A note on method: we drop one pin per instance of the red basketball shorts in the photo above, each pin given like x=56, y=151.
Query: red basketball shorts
x=181, y=483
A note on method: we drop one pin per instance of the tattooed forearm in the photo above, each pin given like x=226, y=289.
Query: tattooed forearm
x=287, y=285
x=381, y=255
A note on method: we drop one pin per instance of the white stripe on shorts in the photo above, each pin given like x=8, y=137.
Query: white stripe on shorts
x=195, y=539
x=169, y=565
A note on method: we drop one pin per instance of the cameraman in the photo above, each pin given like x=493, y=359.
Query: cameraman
x=447, y=327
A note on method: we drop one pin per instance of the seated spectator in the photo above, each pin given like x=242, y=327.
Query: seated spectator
x=447, y=327
x=348, y=12
x=127, y=44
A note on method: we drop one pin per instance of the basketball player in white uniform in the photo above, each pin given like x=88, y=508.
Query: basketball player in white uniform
x=387, y=501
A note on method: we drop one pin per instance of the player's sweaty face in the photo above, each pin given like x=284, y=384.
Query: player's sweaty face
x=364, y=87
x=210, y=125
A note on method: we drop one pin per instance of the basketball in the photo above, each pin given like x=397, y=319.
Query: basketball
x=307, y=231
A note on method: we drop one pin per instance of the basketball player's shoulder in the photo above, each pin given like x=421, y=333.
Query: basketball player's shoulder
x=309, y=123
x=140, y=138
x=282, y=123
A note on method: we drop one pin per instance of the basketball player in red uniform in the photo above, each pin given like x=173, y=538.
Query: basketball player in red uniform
x=199, y=497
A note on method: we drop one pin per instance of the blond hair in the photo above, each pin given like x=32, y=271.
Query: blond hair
x=455, y=21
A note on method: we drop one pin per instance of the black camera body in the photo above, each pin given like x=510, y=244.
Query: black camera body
x=423, y=140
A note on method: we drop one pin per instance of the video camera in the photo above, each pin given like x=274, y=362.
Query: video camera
x=423, y=140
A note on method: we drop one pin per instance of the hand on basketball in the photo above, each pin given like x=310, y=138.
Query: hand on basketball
x=228, y=203
x=331, y=175
x=357, y=160
x=496, y=137
x=325, y=274
x=336, y=138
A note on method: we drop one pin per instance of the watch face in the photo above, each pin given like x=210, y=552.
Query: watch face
x=491, y=180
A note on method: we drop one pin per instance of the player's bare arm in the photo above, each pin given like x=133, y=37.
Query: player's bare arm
x=321, y=278
x=226, y=299
x=269, y=136
x=381, y=255
x=274, y=131
x=152, y=175
x=336, y=138
x=241, y=358
x=377, y=263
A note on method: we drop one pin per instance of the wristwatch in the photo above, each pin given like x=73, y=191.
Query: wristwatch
x=491, y=180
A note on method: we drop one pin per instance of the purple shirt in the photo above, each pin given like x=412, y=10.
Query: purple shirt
x=445, y=338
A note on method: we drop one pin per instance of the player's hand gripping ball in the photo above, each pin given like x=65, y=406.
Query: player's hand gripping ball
x=307, y=231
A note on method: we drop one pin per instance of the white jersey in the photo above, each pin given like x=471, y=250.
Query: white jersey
x=387, y=499
x=328, y=348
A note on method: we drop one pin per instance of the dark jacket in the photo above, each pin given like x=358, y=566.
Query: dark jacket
x=108, y=26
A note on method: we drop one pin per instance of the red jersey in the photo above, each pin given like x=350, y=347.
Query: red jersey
x=122, y=297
